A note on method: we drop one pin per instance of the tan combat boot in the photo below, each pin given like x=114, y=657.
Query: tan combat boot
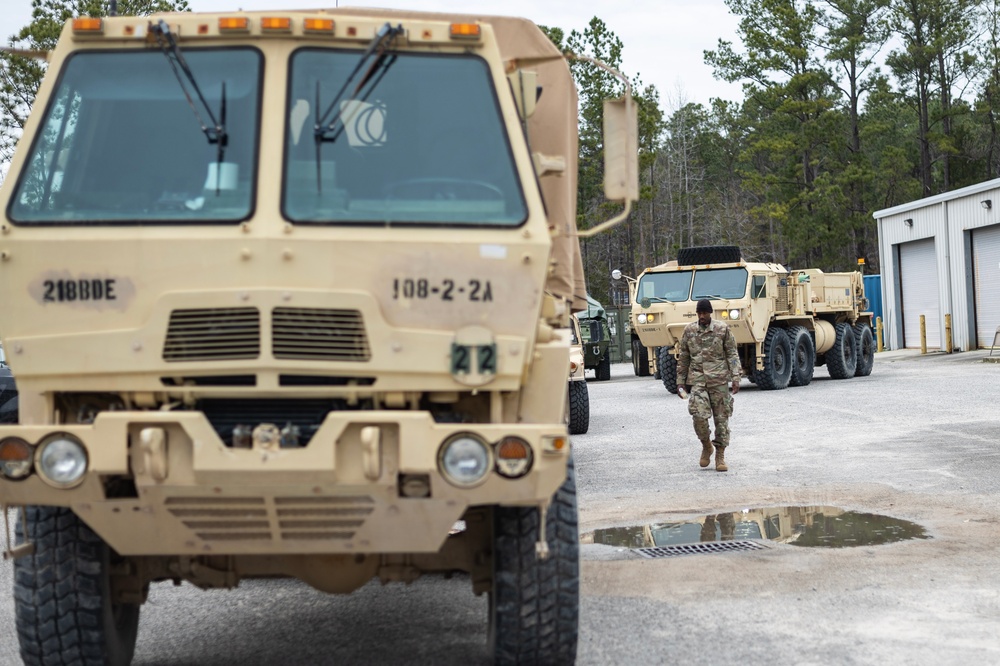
x=706, y=454
x=720, y=459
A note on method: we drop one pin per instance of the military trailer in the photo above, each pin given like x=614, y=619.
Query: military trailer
x=288, y=294
x=786, y=322
x=596, y=339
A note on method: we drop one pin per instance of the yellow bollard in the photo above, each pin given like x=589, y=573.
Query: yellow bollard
x=923, y=334
x=947, y=333
x=878, y=333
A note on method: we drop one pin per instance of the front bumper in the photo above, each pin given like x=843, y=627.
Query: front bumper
x=340, y=494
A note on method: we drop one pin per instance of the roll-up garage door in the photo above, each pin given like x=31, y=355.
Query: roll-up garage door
x=919, y=281
x=986, y=264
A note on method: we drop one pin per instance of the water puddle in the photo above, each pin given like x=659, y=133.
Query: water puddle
x=809, y=526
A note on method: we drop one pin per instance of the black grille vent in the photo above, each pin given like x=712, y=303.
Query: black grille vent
x=700, y=548
x=306, y=415
x=218, y=334
x=313, y=334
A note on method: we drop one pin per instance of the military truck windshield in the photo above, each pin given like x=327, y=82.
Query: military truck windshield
x=119, y=143
x=720, y=283
x=674, y=286
x=426, y=146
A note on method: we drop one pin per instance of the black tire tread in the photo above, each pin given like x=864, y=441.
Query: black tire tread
x=800, y=336
x=603, y=370
x=842, y=358
x=766, y=379
x=668, y=369
x=865, y=358
x=536, y=601
x=708, y=254
x=579, y=408
x=640, y=359
x=59, y=594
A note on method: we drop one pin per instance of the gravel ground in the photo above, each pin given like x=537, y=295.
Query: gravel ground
x=917, y=440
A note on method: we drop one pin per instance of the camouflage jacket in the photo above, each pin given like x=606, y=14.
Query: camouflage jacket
x=707, y=355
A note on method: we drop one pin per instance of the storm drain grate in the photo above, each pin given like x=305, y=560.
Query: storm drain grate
x=700, y=548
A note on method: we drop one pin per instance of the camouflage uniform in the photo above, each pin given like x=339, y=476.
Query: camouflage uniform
x=708, y=362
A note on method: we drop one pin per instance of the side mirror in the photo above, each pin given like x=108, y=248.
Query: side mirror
x=645, y=303
x=616, y=274
x=621, y=149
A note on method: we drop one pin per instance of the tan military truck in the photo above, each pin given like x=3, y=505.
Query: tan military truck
x=288, y=294
x=786, y=322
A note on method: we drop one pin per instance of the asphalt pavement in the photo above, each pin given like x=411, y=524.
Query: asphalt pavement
x=915, y=441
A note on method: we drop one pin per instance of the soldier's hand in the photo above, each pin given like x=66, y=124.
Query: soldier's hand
x=736, y=386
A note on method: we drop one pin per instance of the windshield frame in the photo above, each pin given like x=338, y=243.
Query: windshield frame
x=505, y=126
x=55, y=96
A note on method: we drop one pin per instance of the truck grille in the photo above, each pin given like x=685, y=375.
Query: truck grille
x=319, y=334
x=232, y=519
x=299, y=334
x=212, y=335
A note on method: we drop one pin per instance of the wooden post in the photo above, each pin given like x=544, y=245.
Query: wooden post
x=878, y=333
x=947, y=333
x=923, y=334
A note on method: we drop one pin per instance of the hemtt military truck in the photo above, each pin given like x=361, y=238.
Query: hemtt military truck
x=288, y=294
x=785, y=322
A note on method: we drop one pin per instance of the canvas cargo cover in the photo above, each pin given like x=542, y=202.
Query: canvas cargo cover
x=552, y=131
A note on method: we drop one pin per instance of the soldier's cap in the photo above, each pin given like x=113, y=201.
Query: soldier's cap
x=704, y=305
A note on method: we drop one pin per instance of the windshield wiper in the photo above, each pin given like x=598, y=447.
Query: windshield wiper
x=216, y=133
x=714, y=297
x=329, y=132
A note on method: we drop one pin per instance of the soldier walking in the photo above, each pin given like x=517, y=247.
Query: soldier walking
x=707, y=366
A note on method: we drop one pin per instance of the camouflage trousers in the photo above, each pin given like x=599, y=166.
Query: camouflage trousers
x=708, y=402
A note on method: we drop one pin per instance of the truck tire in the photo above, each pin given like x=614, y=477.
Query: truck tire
x=62, y=595
x=579, y=408
x=842, y=358
x=534, y=603
x=640, y=359
x=803, y=356
x=777, y=361
x=603, y=370
x=709, y=254
x=668, y=369
x=866, y=350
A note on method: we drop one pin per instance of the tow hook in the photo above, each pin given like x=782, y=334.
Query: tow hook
x=542, y=546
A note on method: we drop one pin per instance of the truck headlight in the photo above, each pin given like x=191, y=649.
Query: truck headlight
x=641, y=317
x=61, y=460
x=734, y=314
x=513, y=457
x=465, y=460
x=15, y=458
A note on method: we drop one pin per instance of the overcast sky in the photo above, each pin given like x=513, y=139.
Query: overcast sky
x=664, y=39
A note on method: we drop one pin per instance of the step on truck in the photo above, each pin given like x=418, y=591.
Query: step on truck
x=786, y=322
x=287, y=294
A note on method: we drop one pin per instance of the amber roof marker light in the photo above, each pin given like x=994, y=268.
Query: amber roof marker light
x=88, y=25
x=471, y=31
x=234, y=24
x=276, y=24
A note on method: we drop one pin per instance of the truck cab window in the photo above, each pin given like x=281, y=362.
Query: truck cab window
x=119, y=143
x=759, y=286
x=426, y=146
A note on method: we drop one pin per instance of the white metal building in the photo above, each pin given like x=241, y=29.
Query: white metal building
x=939, y=256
